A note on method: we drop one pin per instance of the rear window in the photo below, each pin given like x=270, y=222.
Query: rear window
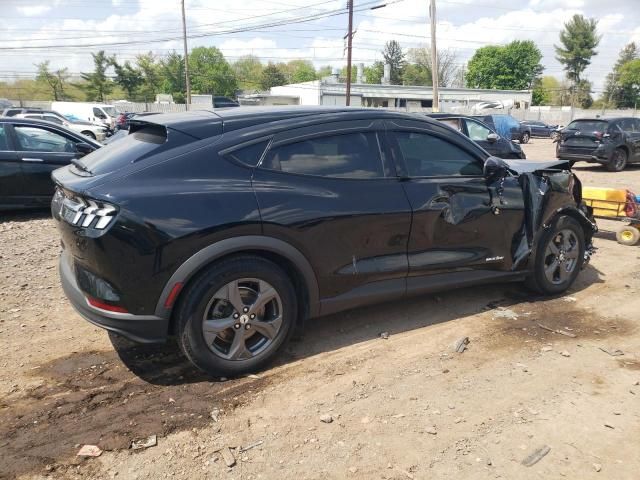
x=136, y=146
x=588, y=125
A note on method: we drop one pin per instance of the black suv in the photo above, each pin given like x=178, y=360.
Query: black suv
x=613, y=142
x=482, y=134
x=227, y=229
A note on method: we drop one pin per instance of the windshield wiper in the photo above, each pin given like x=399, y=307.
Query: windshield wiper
x=81, y=166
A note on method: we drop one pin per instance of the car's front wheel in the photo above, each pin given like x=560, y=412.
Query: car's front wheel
x=236, y=316
x=618, y=160
x=525, y=137
x=559, y=257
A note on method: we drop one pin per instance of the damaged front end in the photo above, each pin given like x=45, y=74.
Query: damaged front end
x=549, y=190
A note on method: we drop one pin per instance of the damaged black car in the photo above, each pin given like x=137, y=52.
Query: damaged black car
x=229, y=229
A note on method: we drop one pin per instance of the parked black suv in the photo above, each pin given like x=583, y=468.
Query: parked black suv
x=507, y=126
x=613, y=142
x=229, y=228
x=482, y=134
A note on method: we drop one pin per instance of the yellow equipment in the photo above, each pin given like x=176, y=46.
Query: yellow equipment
x=616, y=204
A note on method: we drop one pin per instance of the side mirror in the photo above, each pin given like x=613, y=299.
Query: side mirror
x=492, y=138
x=84, y=148
x=495, y=168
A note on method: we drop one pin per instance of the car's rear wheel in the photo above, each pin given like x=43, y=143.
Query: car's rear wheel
x=618, y=160
x=525, y=137
x=236, y=316
x=89, y=134
x=559, y=257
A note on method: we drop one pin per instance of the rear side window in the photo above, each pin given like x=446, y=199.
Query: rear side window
x=352, y=155
x=249, y=155
x=430, y=156
x=588, y=125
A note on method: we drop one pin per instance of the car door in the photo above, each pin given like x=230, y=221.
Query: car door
x=479, y=133
x=42, y=149
x=634, y=140
x=459, y=222
x=10, y=173
x=331, y=192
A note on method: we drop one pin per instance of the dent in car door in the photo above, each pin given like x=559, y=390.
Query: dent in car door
x=10, y=173
x=330, y=192
x=459, y=222
x=41, y=150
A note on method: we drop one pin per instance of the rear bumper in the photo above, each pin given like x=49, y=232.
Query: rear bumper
x=597, y=155
x=139, y=328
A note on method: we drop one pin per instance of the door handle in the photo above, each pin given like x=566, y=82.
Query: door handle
x=25, y=159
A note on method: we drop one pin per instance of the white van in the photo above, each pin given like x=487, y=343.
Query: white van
x=97, y=113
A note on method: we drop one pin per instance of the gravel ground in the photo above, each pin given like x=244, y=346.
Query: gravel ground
x=403, y=407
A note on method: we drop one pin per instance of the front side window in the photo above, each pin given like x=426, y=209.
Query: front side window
x=36, y=139
x=426, y=155
x=98, y=113
x=51, y=118
x=477, y=132
x=352, y=155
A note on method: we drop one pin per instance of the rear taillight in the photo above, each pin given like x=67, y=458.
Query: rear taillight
x=90, y=214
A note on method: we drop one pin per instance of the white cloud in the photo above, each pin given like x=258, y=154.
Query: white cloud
x=33, y=10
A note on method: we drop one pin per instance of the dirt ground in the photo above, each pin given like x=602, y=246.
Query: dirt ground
x=400, y=408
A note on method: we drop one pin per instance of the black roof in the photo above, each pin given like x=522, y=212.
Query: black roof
x=602, y=119
x=446, y=115
x=206, y=123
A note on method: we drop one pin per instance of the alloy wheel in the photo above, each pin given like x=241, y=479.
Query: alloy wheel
x=561, y=256
x=242, y=319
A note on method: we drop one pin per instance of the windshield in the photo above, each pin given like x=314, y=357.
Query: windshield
x=588, y=125
x=111, y=111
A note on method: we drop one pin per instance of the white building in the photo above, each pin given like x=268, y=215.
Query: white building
x=329, y=91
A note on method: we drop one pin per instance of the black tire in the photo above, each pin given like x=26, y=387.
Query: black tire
x=618, y=160
x=538, y=280
x=525, y=137
x=197, y=298
x=89, y=134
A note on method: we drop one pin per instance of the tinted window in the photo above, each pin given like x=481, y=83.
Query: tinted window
x=636, y=125
x=249, y=155
x=4, y=144
x=429, y=156
x=51, y=118
x=352, y=155
x=588, y=125
x=627, y=125
x=36, y=139
x=477, y=131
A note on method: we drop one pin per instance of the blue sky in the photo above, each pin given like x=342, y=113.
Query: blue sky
x=61, y=28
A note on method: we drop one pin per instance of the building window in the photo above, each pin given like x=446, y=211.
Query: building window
x=426, y=103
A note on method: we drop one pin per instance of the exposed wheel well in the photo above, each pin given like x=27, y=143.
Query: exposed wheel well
x=297, y=279
x=623, y=147
x=88, y=133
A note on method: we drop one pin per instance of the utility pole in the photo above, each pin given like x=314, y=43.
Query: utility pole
x=434, y=58
x=350, y=36
x=186, y=57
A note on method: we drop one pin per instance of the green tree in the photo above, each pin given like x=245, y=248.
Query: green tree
x=301, y=71
x=354, y=74
x=210, y=73
x=173, y=79
x=579, y=40
x=248, y=71
x=582, y=94
x=373, y=74
x=97, y=85
x=394, y=56
x=546, y=91
x=56, y=81
x=418, y=70
x=615, y=94
x=630, y=80
x=512, y=66
x=324, y=71
x=272, y=76
x=151, y=74
x=128, y=78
